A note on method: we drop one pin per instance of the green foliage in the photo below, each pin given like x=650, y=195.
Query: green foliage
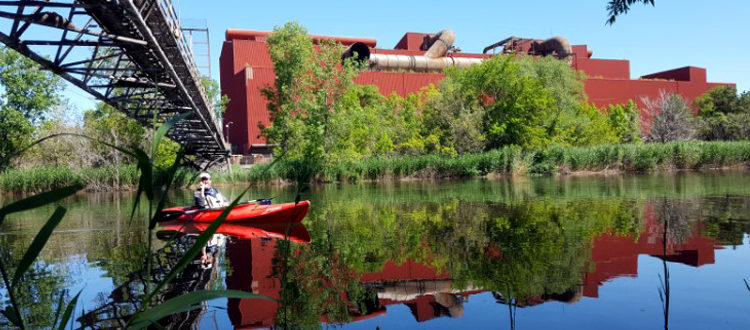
x=213, y=93
x=724, y=114
x=589, y=126
x=556, y=159
x=625, y=122
x=309, y=83
x=516, y=106
x=452, y=123
x=565, y=86
x=105, y=123
x=27, y=94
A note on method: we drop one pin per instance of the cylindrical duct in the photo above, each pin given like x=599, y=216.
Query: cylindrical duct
x=443, y=41
x=419, y=63
x=434, y=58
x=555, y=45
x=358, y=50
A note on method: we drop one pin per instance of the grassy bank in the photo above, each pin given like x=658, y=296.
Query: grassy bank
x=98, y=179
x=509, y=161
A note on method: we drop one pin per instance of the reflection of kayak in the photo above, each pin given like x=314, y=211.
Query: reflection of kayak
x=297, y=232
x=249, y=212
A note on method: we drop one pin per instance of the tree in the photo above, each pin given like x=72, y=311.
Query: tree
x=455, y=122
x=213, y=93
x=516, y=106
x=724, y=114
x=310, y=81
x=28, y=93
x=65, y=151
x=672, y=120
x=621, y=7
x=625, y=122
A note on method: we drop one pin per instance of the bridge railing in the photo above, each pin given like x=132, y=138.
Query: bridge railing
x=173, y=22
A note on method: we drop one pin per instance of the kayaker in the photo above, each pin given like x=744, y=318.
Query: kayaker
x=206, y=196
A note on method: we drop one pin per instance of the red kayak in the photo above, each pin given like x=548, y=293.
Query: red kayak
x=247, y=212
x=294, y=232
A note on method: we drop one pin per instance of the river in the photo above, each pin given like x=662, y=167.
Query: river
x=620, y=252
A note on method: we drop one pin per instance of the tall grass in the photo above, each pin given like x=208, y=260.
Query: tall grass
x=99, y=178
x=508, y=161
x=691, y=155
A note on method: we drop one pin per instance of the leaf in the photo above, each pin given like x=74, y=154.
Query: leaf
x=145, y=182
x=59, y=308
x=38, y=244
x=185, y=302
x=193, y=251
x=39, y=200
x=163, y=129
x=170, y=179
x=69, y=311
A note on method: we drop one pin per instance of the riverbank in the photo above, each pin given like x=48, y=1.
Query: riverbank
x=511, y=161
x=94, y=179
x=505, y=162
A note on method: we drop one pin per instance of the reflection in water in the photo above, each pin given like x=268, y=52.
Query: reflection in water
x=314, y=286
x=439, y=254
x=115, y=310
x=201, y=274
x=525, y=254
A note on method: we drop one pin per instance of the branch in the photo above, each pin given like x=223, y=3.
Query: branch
x=621, y=7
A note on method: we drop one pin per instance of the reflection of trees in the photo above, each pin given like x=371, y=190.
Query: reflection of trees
x=115, y=310
x=40, y=287
x=726, y=219
x=316, y=282
x=525, y=252
x=677, y=218
x=539, y=248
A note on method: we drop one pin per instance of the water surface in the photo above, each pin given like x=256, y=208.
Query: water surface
x=571, y=253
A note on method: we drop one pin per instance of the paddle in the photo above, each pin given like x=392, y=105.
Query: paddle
x=171, y=215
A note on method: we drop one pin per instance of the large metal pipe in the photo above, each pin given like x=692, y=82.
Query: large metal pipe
x=358, y=50
x=419, y=63
x=434, y=58
x=252, y=35
x=557, y=46
x=440, y=44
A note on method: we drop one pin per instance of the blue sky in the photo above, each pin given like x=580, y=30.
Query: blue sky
x=674, y=33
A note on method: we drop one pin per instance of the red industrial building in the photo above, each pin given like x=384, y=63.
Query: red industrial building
x=246, y=67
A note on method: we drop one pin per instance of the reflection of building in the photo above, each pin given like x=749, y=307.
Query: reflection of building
x=246, y=67
x=428, y=292
x=618, y=256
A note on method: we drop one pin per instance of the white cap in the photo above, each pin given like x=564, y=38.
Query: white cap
x=204, y=175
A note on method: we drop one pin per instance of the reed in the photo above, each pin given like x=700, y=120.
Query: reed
x=512, y=161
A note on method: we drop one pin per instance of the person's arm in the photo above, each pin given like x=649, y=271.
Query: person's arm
x=200, y=199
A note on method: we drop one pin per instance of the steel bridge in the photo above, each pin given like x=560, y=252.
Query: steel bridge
x=130, y=54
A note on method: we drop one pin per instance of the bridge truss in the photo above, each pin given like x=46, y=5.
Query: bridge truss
x=130, y=54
